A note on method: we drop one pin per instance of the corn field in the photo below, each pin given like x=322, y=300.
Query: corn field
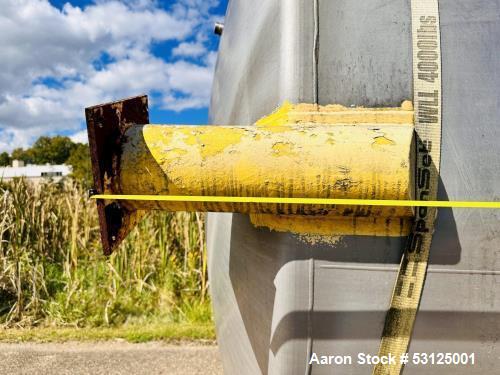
x=52, y=271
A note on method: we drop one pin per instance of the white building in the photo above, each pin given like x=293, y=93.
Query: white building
x=33, y=172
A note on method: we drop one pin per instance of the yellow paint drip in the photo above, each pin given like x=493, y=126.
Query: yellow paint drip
x=334, y=226
x=280, y=116
x=337, y=114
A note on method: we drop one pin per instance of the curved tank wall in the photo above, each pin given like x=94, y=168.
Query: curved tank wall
x=278, y=298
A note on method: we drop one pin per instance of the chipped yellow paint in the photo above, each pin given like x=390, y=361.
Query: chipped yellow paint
x=189, y=135
x=278, y=128
x=225, y=138
x=303, y=150
x=284, y=149
x=175, y=152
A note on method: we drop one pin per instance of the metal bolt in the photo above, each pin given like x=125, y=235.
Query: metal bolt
x=218, y=28
x=113, y=238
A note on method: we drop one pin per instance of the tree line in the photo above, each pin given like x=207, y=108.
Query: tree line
x=54, y=150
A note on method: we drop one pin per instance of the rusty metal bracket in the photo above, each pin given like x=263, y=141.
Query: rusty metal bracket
x=106, y=126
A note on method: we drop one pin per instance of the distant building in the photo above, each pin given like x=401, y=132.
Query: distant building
x=34, y=173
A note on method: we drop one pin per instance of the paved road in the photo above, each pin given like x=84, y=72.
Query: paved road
x=109, y=358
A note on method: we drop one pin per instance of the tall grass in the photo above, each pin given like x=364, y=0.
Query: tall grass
x=52, y=271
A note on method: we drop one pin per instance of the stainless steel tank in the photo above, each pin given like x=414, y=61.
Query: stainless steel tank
x=278, y=298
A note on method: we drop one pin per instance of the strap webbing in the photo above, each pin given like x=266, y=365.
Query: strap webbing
x=407, y=292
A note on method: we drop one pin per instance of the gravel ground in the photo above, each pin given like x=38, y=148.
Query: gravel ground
x=109, y=357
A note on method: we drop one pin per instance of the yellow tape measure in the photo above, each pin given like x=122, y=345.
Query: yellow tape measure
x=305, y=201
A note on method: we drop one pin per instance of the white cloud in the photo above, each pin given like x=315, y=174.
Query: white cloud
x=80, y=137
x=192, y=81
x=189, y=49
x=49, y=72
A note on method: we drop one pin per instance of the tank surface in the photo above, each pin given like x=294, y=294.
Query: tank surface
x=277, y=297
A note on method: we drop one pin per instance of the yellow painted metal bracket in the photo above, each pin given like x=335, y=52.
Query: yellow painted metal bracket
x=305, y=168
x=302, y=150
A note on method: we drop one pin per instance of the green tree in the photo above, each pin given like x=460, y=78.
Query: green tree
x=21, y=154
x=79, y=159
x=4, y=159
x=53, y=150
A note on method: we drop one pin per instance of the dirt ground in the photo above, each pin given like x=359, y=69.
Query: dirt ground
x=109, y=357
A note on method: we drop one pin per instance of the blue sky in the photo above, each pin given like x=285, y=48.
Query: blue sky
x=60, y=56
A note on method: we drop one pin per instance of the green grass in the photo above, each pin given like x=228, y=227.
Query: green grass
x=53, y=273
x=133, y=333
